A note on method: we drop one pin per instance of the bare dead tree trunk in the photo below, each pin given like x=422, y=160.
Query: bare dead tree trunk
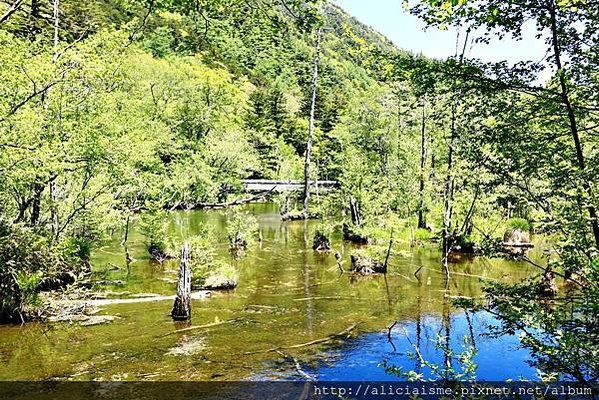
x=53, y=209
x=182, y=307
x=565, y=97
x=128, y=259
x=311, y=126
x=449, y=178
x=386, y=265
x=56, y=13
x=448, y=194
x=355, y=211
x=421, y=219
x=466, y=226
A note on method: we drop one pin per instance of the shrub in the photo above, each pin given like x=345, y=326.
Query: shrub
x=518, y=223
x=153, y=227
x=422, y=234
x=202, y=252
x=242, y=228
x=29, y=261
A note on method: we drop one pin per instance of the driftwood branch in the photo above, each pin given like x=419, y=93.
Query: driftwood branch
x=328, y=298
x=416, y=348
x=389, y=329
x=388, y=252
x=298, y=367
x=417, y=271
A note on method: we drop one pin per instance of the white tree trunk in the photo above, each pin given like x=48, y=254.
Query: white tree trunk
x=311, y=126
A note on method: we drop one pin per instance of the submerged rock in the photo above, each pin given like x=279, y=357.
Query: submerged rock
x=366, y=265
x=188, y=346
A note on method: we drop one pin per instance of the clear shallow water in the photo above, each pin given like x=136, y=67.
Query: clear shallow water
x=287, y=295
x=361, y=359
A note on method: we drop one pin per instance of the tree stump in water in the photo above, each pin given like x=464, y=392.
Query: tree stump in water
x=321, y=242
x=516, y=237
x=548, y=285
x=366, y=265
x=182, y=307
x=350, y=235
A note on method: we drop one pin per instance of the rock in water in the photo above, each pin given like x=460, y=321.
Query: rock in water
x=366, y=265
x=321, y=242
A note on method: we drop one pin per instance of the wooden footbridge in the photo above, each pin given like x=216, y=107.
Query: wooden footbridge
x=263, y=185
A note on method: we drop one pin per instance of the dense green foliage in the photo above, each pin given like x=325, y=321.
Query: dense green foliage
x=111, y=109
x=135, y=107
x=537, y=144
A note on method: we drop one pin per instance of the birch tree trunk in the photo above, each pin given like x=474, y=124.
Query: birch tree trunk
x=448, y=193
x=421, y=218
x=311, y=126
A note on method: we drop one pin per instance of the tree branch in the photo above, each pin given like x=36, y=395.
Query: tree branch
x=11, y=11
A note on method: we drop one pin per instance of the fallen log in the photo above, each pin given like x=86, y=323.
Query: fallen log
x=107, y=302
x=518, y=245
x=298, y=216
x=193, y=328
x=298, y=367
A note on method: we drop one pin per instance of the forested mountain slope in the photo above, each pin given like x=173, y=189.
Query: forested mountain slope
x=112, y=107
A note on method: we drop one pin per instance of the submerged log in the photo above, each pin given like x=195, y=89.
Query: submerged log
x=238, y=202
x=366, y=266
x=321, y=242
x=182, y=307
